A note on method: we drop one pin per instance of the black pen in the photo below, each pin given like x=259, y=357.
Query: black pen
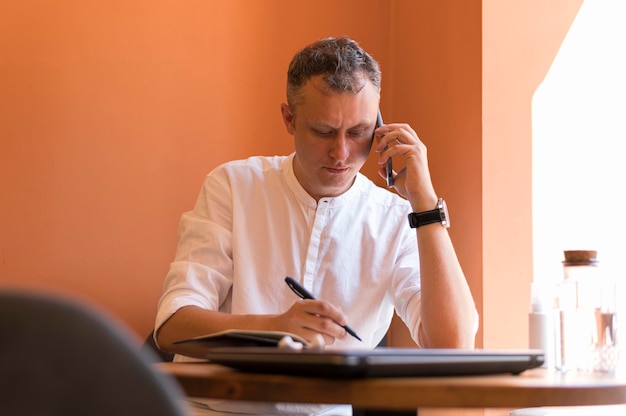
x=304, y=294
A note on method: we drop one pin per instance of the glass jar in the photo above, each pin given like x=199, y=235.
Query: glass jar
x=585, y=316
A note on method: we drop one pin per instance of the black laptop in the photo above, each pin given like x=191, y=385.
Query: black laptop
x=379, y=362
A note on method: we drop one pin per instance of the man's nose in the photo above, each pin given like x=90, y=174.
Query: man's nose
x=340, y=149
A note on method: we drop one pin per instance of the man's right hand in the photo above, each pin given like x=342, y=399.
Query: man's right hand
x=307, y=318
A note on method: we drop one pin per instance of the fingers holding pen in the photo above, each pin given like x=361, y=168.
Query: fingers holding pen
x=310, y=317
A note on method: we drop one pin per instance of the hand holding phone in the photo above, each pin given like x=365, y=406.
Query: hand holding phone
x=389, y=167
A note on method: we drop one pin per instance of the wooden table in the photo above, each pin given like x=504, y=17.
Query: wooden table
x=531, y=388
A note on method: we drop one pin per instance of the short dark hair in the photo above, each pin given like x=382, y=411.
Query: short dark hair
x=341, y=61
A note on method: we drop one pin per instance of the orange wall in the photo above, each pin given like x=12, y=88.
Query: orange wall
x=111, y=113
x=436, y=86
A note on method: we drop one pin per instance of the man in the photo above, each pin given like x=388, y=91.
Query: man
x=314, y=217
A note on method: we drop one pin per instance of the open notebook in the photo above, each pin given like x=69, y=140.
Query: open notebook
x=380, y=362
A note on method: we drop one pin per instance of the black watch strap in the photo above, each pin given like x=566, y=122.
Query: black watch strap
x=424, y=218
x=439, y=214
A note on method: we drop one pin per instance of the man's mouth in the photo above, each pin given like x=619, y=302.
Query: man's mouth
x=337, y=169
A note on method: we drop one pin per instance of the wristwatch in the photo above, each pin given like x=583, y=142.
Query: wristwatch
x=439, y=214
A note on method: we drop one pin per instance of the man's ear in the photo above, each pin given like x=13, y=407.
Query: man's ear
x=288, y=118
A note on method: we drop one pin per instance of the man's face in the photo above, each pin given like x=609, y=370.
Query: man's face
x=333, y=136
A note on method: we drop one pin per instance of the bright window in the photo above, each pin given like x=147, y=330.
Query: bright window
x=579, y=146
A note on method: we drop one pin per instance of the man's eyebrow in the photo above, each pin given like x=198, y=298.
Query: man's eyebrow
x=363, y=124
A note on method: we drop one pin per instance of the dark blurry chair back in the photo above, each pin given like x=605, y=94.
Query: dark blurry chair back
x=59, y=356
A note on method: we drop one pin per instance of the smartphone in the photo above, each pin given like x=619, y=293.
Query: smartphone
x=389, y=167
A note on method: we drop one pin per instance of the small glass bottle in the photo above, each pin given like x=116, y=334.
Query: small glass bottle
x=585, y=318
x=540, y=321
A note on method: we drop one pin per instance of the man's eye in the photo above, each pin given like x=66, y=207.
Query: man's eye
x=324, y=133
x=358, y=133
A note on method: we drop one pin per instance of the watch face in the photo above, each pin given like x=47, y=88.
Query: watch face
x=443, y=211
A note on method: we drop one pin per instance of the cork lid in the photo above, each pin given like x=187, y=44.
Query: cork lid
x=580, y=257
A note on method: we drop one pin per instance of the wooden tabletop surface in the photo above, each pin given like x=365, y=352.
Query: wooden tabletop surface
x=532, y=388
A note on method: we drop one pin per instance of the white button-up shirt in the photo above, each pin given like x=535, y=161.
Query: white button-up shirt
x=254, y=224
